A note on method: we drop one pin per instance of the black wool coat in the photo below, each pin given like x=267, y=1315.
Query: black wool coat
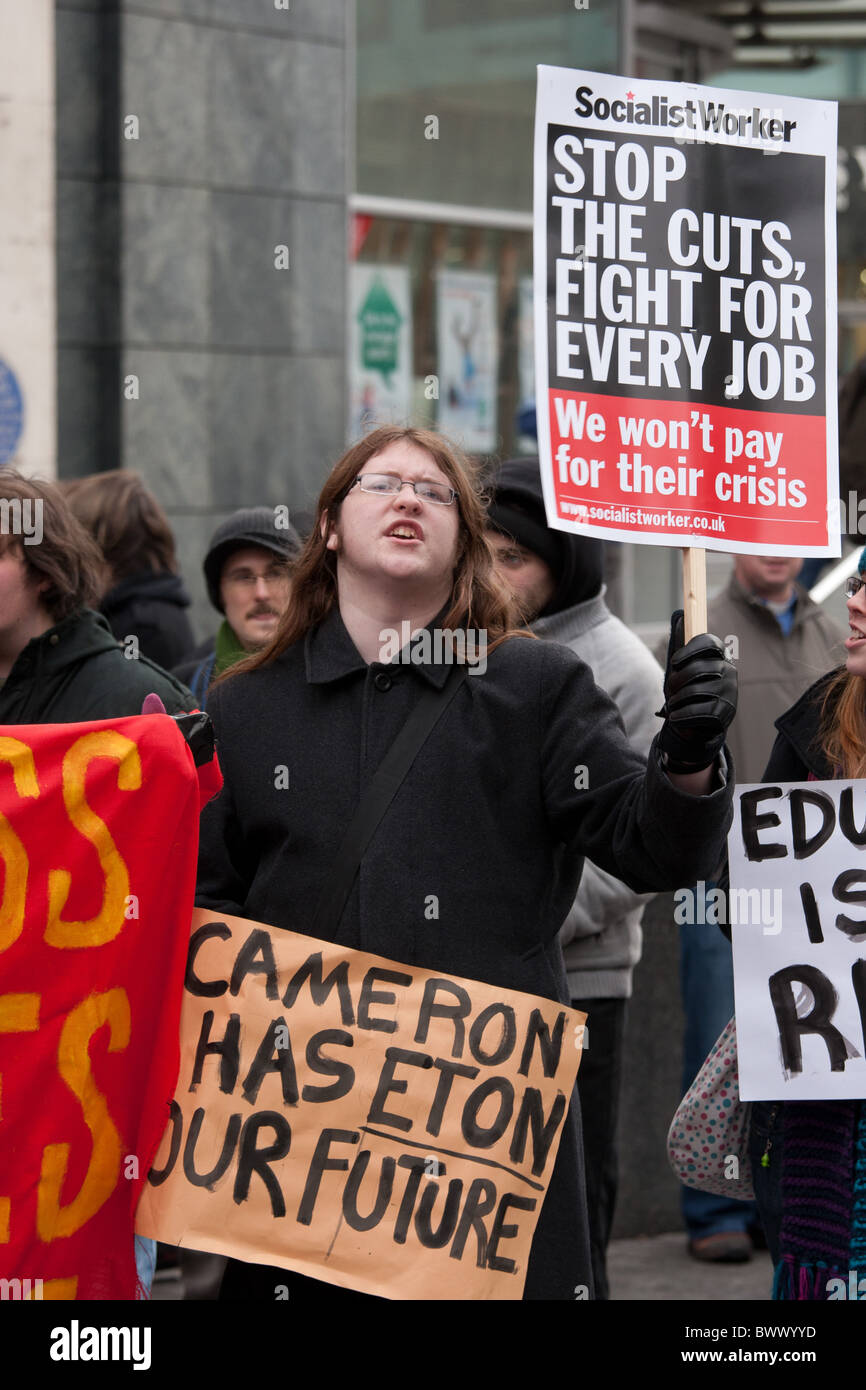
x=492, y=819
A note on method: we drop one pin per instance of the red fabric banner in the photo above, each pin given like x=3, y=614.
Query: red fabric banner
x=98, y=842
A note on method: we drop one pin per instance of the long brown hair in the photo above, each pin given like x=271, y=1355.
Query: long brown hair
x=843, y=724
x=478, y=598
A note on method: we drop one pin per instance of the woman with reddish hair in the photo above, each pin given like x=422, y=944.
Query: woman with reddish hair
x=526, y=770
x=808, y=1158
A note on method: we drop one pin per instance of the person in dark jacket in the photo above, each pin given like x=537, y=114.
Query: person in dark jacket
x=59, y=662
x=143, y=597
x=799, y=755
x=812, y=1226
x=490, y=817
x=247, y=570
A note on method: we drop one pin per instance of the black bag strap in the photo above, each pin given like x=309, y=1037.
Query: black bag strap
x=378, y=797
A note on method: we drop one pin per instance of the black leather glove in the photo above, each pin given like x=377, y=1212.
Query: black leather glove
x=700, y=699
x=196, y=728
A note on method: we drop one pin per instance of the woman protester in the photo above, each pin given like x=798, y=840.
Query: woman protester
x=808, y=1158
x=490, y=817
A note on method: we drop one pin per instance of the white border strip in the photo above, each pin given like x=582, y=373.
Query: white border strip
x=415, y=211
x=831, y=581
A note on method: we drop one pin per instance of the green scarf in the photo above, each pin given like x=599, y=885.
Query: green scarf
x=228, y=649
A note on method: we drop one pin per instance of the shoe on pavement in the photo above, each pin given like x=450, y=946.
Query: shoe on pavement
x=724, y=1247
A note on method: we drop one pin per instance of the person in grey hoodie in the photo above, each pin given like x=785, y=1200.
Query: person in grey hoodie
x=557, y=580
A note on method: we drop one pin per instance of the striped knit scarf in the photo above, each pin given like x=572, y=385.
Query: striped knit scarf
x=823, y=1233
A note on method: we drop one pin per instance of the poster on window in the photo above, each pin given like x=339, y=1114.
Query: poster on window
x=380, y=348
x=525, y=341
x=685, y=299
x=467, y=357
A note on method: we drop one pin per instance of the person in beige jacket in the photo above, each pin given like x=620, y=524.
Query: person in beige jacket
x=780, y=642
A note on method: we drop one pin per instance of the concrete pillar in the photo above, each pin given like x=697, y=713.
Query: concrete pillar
x=27, y=337
x=207, y=204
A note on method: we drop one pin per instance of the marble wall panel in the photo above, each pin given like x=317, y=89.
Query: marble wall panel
x=275, y=116
x=165, y=432
x=277, y=427
x=255, y=304
x=165, y=265
x=320, y=19
x=165, y=87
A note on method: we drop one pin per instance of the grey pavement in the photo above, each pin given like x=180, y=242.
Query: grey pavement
x=660, y=1268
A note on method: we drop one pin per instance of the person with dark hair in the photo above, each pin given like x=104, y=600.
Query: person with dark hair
x=59, y=662
x=489, y=816
x=143, y=596
x=247, y=570
x=557, y=581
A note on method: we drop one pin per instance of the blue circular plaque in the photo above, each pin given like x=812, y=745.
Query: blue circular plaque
x=11, y=413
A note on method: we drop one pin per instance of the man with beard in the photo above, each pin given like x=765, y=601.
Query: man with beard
x=247, y=570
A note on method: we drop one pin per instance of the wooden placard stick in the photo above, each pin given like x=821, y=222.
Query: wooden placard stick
x=694, y=590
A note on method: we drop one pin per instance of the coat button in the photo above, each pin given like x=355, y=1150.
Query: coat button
x=54, y=639
x=382, y=681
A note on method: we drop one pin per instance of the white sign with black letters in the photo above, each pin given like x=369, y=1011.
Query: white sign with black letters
x=797, y=854
x=685, y=299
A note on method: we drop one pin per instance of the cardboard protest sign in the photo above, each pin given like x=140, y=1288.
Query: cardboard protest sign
x=685, y=301
x=98, y=838
x=379, y=1126
x=798, y=914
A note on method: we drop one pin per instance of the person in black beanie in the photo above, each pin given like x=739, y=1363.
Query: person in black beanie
x=556, y=578
x=247, y=570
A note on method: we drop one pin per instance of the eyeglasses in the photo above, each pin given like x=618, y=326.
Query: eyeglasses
x=388, y=484
x=248, y=579
x=854, y=585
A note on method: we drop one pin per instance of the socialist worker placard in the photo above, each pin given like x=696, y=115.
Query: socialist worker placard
x=685, y=313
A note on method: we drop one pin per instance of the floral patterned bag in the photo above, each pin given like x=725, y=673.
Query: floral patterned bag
x=708, y=1141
